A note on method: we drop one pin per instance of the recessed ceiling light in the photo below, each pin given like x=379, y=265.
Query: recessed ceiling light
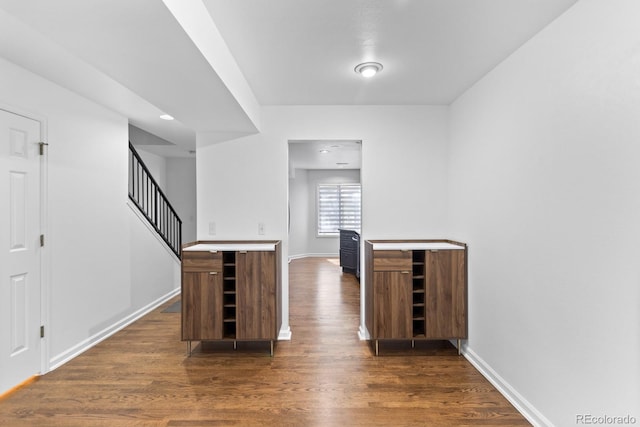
x=325, y=151
x=166, y=117
x=368, y=69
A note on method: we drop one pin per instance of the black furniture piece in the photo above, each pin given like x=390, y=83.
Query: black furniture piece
x=350, y=252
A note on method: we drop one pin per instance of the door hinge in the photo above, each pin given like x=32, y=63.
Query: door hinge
x=41, y=240
x=42, y=331
x=42, y=144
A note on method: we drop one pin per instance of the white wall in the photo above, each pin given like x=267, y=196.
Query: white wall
x=157, y=166
x=303, y=237
x=176, y=177
x=300, y=216
x=181, y=191
x=154, y=271
x=545, y=188
x=244, y=181
x=87, y=272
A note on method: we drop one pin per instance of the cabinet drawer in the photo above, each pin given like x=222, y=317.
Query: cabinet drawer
x=392, y=260
x=201, y=261
x=349, y=239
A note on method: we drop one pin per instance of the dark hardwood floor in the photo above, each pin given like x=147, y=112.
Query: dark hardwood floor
x=324, y=376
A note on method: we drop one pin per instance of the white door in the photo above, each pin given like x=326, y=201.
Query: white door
x=20, y=292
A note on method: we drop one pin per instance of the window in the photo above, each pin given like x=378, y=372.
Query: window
x=338, y=207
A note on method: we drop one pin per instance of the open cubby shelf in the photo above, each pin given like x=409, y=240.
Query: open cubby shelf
x=418, y=274
x=229, y=294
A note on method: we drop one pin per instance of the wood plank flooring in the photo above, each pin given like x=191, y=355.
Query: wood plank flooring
x=324, y=376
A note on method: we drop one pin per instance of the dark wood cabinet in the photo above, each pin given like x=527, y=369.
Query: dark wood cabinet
x=255, y=295
x=416, y=290
x=201, y=296
x=445, y=294
x=231, y=291
x=350, y=252
x=392, y=293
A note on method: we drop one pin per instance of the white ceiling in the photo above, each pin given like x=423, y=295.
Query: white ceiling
x=304, y=52
x=332, y=154
x=212, y=63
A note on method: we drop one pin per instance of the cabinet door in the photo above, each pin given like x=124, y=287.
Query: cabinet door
x=202, y=306
x=445, y=294
x=349, y=245
x=348, y=259
x=256, y=295
x=392, y=295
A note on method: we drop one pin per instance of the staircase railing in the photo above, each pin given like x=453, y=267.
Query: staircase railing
x=146, y=194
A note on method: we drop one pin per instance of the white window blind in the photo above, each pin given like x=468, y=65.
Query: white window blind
x=338, y=207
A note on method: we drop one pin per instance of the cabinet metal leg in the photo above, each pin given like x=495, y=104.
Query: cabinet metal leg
x=413, y=343
x=189, y=348
x=459, y=347
x=377, y=347
x=235, y=344
x=271, y=348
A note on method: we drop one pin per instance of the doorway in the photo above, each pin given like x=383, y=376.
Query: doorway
x=20, y=253
x=313, y=163
x=317, y=167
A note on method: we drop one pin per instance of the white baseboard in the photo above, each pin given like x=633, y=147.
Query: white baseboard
x=363, y=334
x=523, y=406
x=85, y=345
x=299, y=256
x=285, y=334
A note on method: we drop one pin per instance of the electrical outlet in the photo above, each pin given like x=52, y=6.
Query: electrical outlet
x=212, y=228
x=261, y=228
